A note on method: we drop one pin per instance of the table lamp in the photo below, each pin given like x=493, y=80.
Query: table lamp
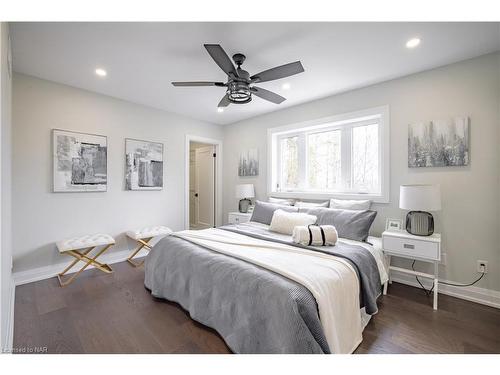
x=418, y=199
x=244, y=192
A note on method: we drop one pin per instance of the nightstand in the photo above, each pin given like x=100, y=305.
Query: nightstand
x=238, y=217
x=405, y=245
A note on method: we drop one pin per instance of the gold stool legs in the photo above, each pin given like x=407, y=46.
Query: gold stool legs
x=82, y=256
x=143, y=243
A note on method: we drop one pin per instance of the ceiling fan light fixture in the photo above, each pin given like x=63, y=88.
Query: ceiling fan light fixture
x=239, y=92
x=286, y=86
x=239, y=80
x=220, y=109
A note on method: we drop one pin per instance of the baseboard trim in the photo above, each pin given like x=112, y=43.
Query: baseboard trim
x=42, y=273
x=470, y=293
x=9, y=335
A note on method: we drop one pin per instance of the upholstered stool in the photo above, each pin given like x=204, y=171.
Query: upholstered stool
x=143, y=237
x=79, y=248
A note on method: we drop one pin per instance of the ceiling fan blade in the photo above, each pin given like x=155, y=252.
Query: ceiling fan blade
x=268, y=95
x=278, y=72
x=198, y=83
x=224, y=101
x=221, y=58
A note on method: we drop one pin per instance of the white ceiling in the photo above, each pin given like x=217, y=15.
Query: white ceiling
x=143, y=58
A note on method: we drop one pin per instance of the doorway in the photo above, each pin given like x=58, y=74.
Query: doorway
x=202, y=183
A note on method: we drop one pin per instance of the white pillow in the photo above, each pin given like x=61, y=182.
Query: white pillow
x=284, y=202
x=284, y=222
x=311, y=204
x=346, y=204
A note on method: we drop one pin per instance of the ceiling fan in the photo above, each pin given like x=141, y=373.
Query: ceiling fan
x=239, y=89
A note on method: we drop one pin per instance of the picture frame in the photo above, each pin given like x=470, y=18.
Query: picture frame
x=143, y=164
x=79, y=162
x=249, y=163
x=439, y=143
x=393, y=224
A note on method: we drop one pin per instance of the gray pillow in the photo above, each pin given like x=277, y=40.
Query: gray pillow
x=263, y=211
x=351, y=224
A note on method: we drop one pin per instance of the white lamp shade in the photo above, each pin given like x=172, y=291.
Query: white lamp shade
x=420, y=197
x=245, y=191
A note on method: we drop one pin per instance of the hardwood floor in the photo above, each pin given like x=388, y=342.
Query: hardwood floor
x=102, y=313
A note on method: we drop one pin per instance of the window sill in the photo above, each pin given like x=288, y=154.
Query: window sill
x=375, y=198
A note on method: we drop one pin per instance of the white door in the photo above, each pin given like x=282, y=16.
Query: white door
x=204, y=182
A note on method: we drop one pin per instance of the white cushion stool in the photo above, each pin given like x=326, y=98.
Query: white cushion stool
x=79, y=247
x=143, y=237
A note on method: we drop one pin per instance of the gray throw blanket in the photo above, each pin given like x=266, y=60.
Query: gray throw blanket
x=253, y=309
x=361, y=259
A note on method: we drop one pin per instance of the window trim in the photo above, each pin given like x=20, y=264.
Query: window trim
x=381, y=114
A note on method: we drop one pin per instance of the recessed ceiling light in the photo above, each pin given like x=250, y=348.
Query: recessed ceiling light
x=412, y=43
x=101, y=72
x=286, y=86
x=220, y=109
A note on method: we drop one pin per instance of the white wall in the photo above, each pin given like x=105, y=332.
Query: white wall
x=469, y=220
x=5, y=189
x=41, y=217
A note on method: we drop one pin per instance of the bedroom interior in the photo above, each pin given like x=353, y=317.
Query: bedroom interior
x=250, y=188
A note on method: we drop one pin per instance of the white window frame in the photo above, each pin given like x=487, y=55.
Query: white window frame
x=379, y=115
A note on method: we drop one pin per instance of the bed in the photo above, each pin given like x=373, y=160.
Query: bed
x=264, y=294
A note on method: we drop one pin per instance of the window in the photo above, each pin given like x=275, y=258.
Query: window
x=344, y=156
x=290, y=161
x=323, y=160
x=365, y=150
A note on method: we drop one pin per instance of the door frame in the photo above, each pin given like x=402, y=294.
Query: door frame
x=192, y=168
x=217, y=143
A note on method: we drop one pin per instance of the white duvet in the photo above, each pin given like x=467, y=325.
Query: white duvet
x=331, y=280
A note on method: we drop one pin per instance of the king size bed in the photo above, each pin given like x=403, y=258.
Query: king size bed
x=263, y=293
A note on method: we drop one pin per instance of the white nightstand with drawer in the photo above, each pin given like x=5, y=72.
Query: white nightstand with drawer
x=238, y=217
x=405, y=245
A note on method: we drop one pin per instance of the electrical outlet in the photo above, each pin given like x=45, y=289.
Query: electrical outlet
x=482, y=266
